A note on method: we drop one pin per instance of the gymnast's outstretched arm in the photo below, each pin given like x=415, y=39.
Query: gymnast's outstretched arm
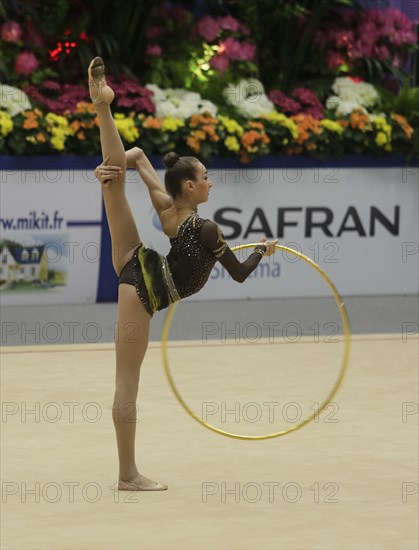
x=136, y=158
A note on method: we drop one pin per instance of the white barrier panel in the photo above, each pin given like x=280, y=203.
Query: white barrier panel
x=359, y=225
x=50, y=237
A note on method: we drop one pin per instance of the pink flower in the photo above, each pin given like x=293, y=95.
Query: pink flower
x=219, y=63
x=248, y=51
x=382, y=52
x=237, y=51
x=397, y=61
x=208, y=28
x=154, y=32
x=11, y=31
x=51, y=85
x=26, y=63
x=229, y=23
x=315, y=113
x=308, y=99
x=286, y=104
x=154, y=50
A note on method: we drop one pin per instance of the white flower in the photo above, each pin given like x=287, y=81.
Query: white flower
x=13, y=100
x=343, y=107
x=180, y=103
x=351, y=95
x=249, y=98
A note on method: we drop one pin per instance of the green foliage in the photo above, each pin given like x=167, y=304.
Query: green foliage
x=47, y=15
x=285, y=31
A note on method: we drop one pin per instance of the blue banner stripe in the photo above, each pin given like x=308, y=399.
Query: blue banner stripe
x=83, y=223
x=107, y=288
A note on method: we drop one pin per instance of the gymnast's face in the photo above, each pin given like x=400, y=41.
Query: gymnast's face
x=202, y=184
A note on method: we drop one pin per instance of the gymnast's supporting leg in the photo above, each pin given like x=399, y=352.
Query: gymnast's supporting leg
x=131, y=336
x=131, y=346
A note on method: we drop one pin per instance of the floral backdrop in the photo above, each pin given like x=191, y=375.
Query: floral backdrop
x=227, y=77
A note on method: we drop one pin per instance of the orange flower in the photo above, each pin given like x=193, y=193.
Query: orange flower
x=200, y=134
x=205, y=118
x=408, y=130
x=344, y=123
x=196, y=120
x=256, y=125
x=85, y=107
x=306, y=124
x=209, y=129
x=194, y=143
x=41, y=137
x=151, y=122
x=248, y=138
x=81, y=135
x=31, y=120
x=402, y=121
x=75, y=125
x=360, y=121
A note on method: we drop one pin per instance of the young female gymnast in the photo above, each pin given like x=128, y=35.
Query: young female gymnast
x=148, y=281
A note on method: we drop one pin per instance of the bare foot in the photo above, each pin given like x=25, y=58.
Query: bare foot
x=140, y=483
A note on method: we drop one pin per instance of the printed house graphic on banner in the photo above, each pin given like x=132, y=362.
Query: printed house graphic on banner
x=22, y=265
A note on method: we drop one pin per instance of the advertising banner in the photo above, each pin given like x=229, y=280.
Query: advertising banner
x=359, y=224
x=50, y=227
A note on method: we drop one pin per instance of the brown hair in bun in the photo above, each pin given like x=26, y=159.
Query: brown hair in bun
x=178, y=169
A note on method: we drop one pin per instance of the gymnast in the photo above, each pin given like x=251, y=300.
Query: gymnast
x=148, y=281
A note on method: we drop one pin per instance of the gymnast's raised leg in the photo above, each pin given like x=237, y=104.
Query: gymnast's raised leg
x=132, y=334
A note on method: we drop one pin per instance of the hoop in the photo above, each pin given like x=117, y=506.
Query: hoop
x=330, y=396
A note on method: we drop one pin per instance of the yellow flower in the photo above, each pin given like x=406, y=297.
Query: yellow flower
x=331, y=125
x=126, y=127
x=284, y=121
x=231, y=125
x=381, y=139
x=383, y=125
x=232, y=143
x=171, y=124
x=274, y=116
x=6, y=123
x=58, y=143
x=59, y=129
x=56, y=120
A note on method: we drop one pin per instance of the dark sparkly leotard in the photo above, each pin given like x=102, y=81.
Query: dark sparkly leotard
x=198, y=244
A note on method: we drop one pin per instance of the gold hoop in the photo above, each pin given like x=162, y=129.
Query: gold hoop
x=332, y=393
